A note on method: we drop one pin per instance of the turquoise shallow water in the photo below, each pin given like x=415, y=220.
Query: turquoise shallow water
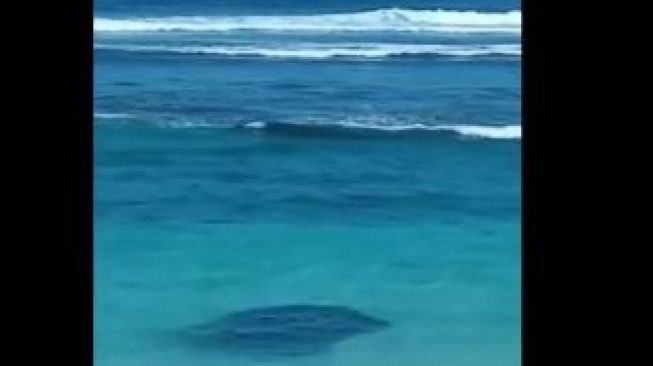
x=369, y=160
x=451, y=297
x=176, y=246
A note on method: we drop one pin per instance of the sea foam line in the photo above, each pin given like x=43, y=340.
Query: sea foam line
x=322, y=51
x=100, y=115
x=504, y=132
x=507, y=132
x=381, y=20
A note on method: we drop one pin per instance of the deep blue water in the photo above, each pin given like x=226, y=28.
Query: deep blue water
x=194, y=7
x=255, y=153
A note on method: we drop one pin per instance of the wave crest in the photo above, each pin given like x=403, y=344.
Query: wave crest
x=323, y=51
x=506, y=132
x=381, y=20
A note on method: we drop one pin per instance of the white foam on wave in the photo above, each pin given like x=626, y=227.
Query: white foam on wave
x=380, y=20
x=375, y=123
x=111, y=115
x=322, y=51
x=255, y=125
x=492, y=132
x=507, y=132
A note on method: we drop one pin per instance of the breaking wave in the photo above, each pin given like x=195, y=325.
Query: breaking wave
x=324, y=51
x=381, y=20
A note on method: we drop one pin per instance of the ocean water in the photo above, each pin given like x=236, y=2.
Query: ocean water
x=257, y=153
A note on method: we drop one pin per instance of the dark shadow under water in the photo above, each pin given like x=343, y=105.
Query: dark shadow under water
x=282, y=331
